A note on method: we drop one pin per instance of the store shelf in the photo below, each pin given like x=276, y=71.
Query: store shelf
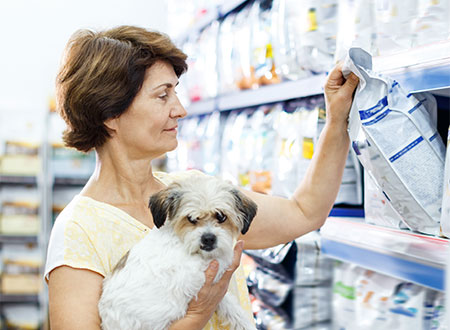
x=18, y=299
x=70, y=181
x=18, y=239
x=202, y=107
x=399, y=253
x=263, y=95
x=424, y=68
x=419, y=69
x=18, y=180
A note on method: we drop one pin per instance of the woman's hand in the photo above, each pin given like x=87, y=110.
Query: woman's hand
x=339, y=95
x=200, y=310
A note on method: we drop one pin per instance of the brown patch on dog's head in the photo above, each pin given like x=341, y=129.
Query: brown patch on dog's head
x=246, y=208
x=164, y=204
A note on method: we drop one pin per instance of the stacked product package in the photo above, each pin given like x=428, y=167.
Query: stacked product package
x=19, y=211
x=270, y=286
x=312, y=292
x=363, y=299
x=20, y=276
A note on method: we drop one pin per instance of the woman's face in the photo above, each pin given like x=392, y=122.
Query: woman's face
x=149, y=126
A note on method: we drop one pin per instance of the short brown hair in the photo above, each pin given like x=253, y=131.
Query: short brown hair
x=101, y=74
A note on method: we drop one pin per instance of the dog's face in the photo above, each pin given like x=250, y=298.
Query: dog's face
x=206, y=213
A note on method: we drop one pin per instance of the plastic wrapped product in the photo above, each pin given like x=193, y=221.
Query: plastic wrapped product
x=377, y=208
x=383, y=302
x=269, y=286
x=312, y=267
x=261, y=172
x=262, y=59
x=231, y=146
x=318, y=38
x=211, y=145
x=247, y=152
x=244, y=75
x=225, y=55
x=437, y=321
x=356, y=27
x=268, y=317
x=395, y=25
x=192, y=78
x=312, y=305
x=286, y=32
x=288, y=151
x=445, y=217
x=392, y=134
x=344, y=295
x=207, y=61
x=432, y=23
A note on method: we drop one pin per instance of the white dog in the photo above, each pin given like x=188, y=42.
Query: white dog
x=198, y=219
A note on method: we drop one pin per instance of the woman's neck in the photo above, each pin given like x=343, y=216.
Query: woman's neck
x=119, y=180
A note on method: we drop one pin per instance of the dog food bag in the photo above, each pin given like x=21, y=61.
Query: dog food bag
x=445, y=216
x=377, y=208
x=396, y=142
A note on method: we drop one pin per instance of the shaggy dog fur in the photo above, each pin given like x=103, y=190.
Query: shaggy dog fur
x=197, y=220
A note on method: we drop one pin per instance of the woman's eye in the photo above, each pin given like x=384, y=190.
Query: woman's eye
x=221, y=217
x=192, y=219
x=163, y=96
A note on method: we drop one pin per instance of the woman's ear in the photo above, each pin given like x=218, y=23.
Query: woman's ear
x=111, y=124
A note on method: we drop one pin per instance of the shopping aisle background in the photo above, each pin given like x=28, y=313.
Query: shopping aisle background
x=253, y=92
x=33, y=35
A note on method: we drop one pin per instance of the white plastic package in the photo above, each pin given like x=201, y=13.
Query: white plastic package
x=445, y=216
x=377, y=208
x=318, y=34
x=395, y=25
x=312, y=267
x=356, y=27
x=396, y=142
x=432, y=23
x=311, y=305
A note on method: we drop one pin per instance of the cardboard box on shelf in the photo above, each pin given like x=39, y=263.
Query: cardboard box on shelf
x=19, y=218
x=21, y=159
x=21, y=284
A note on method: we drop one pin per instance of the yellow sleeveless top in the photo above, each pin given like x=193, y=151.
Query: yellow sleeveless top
x=92, y=235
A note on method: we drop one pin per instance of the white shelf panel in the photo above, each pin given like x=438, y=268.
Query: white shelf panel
x=273, y=93
x=399, y=253
x=419, y=69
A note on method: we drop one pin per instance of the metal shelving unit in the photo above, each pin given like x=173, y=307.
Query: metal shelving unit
x=399, y=253
x=19, y=299
x=18, y=180
x=417, y=258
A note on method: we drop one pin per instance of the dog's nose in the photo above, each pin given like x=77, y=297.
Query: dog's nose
x=208, y=241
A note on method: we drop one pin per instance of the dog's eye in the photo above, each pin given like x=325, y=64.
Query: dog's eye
x=192, y=219
x=221, y=217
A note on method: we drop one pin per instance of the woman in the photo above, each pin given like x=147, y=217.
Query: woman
x=116, y=92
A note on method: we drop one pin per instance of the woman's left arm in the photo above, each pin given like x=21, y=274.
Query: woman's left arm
x=281, y=220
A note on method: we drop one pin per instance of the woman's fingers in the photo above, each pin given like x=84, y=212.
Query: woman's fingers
x=236, y=261
x=211, y=272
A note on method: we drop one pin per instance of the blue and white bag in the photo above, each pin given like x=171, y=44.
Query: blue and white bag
x=393, y=135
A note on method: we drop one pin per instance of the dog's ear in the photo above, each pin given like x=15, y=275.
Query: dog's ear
x=246, y=207
x=164, y=204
